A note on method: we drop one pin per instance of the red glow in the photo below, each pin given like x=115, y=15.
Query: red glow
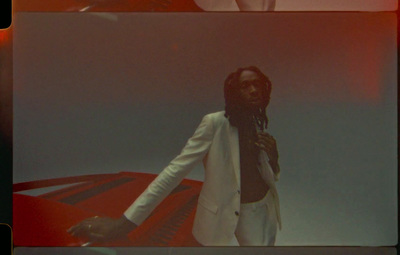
x=4, y=36
x=174, y=46
x=370, y=62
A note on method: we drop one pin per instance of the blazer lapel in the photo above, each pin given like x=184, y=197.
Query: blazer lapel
x=235, y=154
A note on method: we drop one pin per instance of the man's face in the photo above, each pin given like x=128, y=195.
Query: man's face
x=251, y=89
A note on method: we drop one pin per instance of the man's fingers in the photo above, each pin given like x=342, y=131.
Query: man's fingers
x=98, y=229
x=78, y=230
x=263, y=147
x=91, y=220
x=75, y=229
x=95, y=237
x=267, y=138
x=267, y=143
x=264, y=134
x=83, y=228
x=72, y=229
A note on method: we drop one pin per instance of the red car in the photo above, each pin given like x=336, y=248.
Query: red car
x=43, y=220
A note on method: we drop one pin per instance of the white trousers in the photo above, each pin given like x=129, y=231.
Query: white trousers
x=257, y=224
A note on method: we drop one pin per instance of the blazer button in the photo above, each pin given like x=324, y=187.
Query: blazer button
x=236, y=213
x=238, y=192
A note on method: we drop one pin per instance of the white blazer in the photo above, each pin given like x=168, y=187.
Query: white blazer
x=215, y=142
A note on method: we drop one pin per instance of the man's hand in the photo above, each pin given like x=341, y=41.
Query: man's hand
x=267, y=143
x=98, y=229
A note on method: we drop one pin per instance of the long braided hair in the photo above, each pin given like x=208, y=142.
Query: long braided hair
x=243, y=118
x=235, y=111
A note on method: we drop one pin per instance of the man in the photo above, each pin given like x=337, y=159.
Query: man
x=238, y=203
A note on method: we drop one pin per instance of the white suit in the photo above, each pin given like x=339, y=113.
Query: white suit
x=215, y=142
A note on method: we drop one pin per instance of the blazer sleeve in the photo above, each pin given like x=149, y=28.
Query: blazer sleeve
x=193, y=152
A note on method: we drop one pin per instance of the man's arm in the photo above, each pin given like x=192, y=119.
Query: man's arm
x=107, y=229
x=193, y=152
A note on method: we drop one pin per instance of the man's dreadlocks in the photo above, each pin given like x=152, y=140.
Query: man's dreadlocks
x=238, y=115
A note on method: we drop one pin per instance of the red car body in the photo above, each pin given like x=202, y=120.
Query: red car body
x=43, y=220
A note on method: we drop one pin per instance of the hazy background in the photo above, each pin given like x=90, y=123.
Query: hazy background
x=103, y=93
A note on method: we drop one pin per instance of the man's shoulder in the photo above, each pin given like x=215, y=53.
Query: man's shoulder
x=217, y=116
